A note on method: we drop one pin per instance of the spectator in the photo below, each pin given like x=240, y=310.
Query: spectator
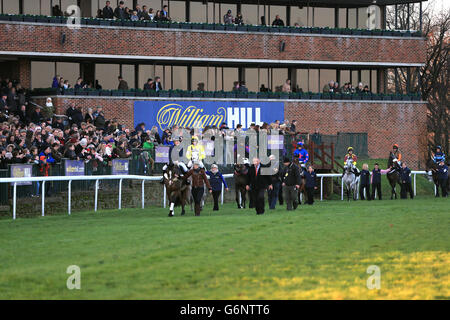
x=165, y=13
x=119, y=12
x=336, y=88
x=157, y=84
x=235, y=86
x=228, y=18
x=328, y=87
x=151, y=14
x=149, y=84
x=242, y=87
x=134, y=16
x=360, y=88
x=263, y=88
x=123, y=85
x=201, y=86
x=366, y=89
x=108, y=12
x=37, y=117
x=79, y=84
x=89, y=117
x=239, y=20
x=97, y=85
x=56, y=11
x=287, y=86
x=144, y=15
x=278, y=22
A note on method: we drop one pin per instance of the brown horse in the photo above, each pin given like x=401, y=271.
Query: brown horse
x=240, y=182
x=394, y=175
x=177, y=192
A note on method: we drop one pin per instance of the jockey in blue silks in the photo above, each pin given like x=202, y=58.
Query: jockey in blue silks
x=438, y=156
x=302, y=155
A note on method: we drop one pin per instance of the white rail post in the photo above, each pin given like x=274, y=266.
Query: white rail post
x=120, y=194
x=14, y=200
x=96, y=196
x=143, y=194
x=321, y=188
x=435, y=190
x=415, y=193
x=69, y=197
x=221, y=195
x=43, y=199
x=165, y=196
x=342, y=189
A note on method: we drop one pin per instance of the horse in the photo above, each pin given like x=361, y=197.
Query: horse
x=240, y=182
x=393, y=176
x=301, y=192
x=350, y=180
x=432, y=174
x=177, y=193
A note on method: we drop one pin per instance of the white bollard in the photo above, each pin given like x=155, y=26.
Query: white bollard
x=43, y=199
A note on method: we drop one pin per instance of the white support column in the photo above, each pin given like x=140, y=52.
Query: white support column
x=14, y=200
x=321, y=188
x=69, y=193
x=221, y=195
x=165, y=197
x=120, y=194
x=342, y=189
x=96, y=196
x=143, y=194
x=415, y=192
x=43, y=199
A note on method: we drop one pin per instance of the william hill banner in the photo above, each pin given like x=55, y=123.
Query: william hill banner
x=198, y=114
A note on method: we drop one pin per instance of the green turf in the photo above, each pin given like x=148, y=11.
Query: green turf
x=317, y=252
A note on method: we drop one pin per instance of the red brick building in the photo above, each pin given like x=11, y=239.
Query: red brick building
x=331, y=49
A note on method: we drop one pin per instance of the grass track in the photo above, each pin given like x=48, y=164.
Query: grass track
x=318, y=252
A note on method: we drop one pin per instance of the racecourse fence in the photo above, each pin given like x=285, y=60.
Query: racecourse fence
x=69, y=179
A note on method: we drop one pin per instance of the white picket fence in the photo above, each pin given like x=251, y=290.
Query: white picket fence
x=69, y=179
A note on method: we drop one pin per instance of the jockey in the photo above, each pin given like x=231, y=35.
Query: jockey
x=438, y=156
x=302, y=155
x=195, y=152
x=395, y=153
x=354, y=158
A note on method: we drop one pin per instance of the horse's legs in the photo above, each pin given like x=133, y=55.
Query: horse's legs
x=172, y=205
x=237, y=198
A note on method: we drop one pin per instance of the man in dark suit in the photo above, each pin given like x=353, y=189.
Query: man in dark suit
x=258, y=183
x=108, y=12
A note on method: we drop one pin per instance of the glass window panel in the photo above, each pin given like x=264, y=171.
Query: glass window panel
x=324, y=17
x=198, y=76
x=107, y=74
x=69, y=71
x=251, y=79
x=250, y=14
x=229, y=76
x=314, y=80
x=177, y=10
x=342, y=17
x=264, y=78
x=46, y=7
x=345, y=77
x=326, y=76
x=31, y=7
x=145, y=72
x=42, y=74
x=11, y=6
x=374, y=87
x=279, y=77
x=298, y=16
x=179, y=77
x=198, y=12
x=355, y=78
x=352, y=18
x=302, y=79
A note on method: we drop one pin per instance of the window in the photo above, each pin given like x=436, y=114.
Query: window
x=42, y=74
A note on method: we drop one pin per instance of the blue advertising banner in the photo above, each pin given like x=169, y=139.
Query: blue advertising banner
x=198, y=114
x=21, y=171
x=162, y=154
x=119, y=166
x=74, y=167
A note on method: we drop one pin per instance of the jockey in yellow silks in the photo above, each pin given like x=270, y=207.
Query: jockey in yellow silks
x=195, y=152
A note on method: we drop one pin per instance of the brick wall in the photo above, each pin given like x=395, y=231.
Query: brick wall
x=147, y=42
x=386, y=123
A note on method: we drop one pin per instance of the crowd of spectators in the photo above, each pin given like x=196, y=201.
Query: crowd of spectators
x=333, y=87
x=43, y=140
